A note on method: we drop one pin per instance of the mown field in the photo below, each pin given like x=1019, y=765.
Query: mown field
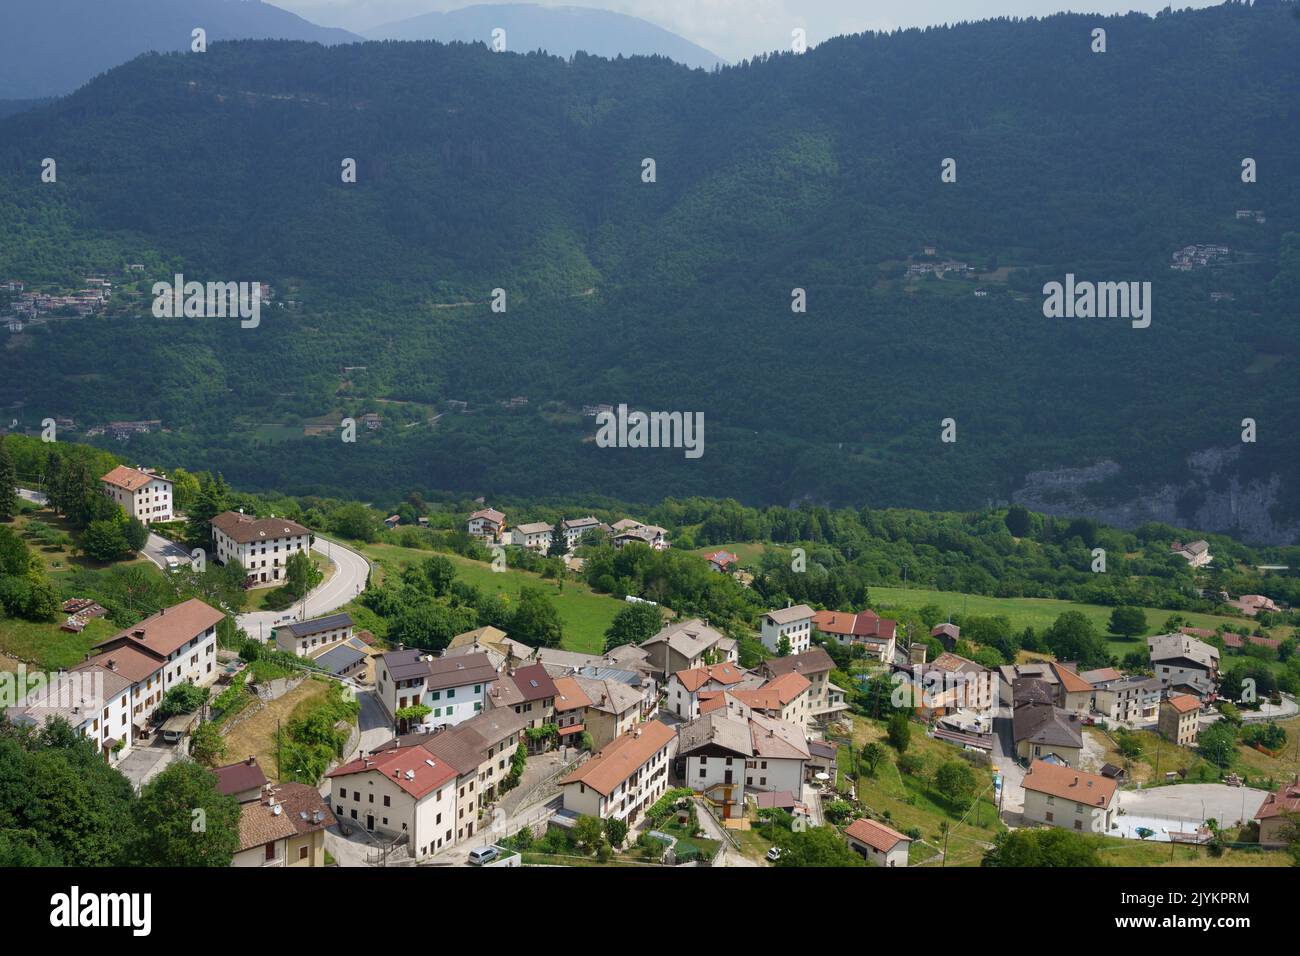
x=1038, y=613
x=585, y=614
x=41, y=644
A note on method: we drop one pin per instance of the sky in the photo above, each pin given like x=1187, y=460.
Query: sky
x=735, y=29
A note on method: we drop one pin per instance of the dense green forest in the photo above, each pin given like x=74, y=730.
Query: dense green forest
x=479, y=171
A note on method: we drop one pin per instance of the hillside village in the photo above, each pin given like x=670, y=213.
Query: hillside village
x=666, y=750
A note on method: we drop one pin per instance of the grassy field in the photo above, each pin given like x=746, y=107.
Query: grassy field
x=1037, y=613
x=1119, y=852
x=911, y=803
x=585, y=615
x=1155, y=753
x=1282, y=767
x=255, y=735
x=41, y=645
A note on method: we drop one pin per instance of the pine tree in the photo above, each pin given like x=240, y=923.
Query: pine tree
x=8, y=483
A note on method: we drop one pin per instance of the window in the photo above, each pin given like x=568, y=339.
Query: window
x=302, y=851
x=387, y=801
x=270, y=851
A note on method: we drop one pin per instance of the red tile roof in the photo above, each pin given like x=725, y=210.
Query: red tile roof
x=170, y=628
x=132, y=479
x=620, y=758
x=394, y=764
x=875, y=835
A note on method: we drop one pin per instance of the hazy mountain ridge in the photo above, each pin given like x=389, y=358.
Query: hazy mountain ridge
x=562, y=31
x=51, y=47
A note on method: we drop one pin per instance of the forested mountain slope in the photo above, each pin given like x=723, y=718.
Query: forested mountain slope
x=822, y=171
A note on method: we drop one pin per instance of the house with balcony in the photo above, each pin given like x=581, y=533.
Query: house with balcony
x=625, y=777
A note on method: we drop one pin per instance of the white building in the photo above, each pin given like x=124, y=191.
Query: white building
x=402, y=791
x=184, y=639
x=305, y=638
x=575, y=528
x=730, y=755
x=142, y=494
x=625, y=778
x=262, y=545
x=1063, y=797
x=793, y=623
x=453, y=688
x=111, y=696
x=878, y=844
x=627, y=530
x=487, y=523
x=536, y=535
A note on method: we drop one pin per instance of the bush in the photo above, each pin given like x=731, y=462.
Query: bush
x=182, y=699
x=911, y=764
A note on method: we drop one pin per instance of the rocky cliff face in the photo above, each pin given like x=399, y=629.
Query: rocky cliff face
x=1211, y=499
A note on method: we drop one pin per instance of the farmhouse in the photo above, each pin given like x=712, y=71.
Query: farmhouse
x=487, y=523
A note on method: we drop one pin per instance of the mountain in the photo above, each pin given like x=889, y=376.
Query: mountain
x=480, y=171
x=561, y=31
x=51, y=47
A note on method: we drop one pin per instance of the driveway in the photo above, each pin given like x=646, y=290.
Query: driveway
x=1183, y=807
x=146, y=761
x=347, y=581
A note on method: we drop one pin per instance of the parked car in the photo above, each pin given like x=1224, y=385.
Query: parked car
x=774, y=853
x=483, y=854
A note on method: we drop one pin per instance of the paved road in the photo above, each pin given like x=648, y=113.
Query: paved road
x=344, y=584
x=1004, y=759
x=158, y=549
x=373, y=721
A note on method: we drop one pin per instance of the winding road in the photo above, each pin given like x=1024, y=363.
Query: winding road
x=347, y=581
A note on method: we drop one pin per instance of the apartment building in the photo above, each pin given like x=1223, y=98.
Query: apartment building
x=143, y=495
x=262, y=546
